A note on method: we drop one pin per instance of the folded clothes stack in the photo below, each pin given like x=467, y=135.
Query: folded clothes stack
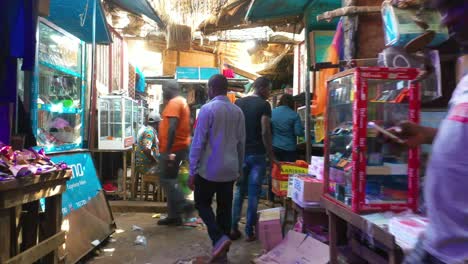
x=26, y=162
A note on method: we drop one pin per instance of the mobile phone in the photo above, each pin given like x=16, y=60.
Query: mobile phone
x=386, y=132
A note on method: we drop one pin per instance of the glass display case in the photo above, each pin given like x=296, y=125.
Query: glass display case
x=116, y=126
x=139, y=117
x=365, y=172
x=58, y=92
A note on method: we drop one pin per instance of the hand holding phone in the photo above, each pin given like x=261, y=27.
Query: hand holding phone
x=386, y=132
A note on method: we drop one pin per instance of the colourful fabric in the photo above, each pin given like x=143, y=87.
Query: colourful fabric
x=147, y=139
x=176, y=108
x=319, y=102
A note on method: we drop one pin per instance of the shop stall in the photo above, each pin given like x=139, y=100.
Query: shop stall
x=59, y=98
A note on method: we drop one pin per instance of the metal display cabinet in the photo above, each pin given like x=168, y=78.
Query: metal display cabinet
x=58, y=90
x=116, y=125
x=364, y=172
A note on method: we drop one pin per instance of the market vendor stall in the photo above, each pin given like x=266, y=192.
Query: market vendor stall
x=26, y=177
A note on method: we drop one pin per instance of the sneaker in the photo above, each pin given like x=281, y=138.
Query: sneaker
x=188, y=209
x=222, y=259
x=251, y=238
x=235, y=234
x=170, y=222
x=221, y=247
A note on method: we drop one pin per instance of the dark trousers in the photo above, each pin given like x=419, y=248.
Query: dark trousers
x=220, y=224
x=285, y=155
x=175, y=197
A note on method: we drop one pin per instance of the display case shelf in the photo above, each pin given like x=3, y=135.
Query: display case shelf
x=59, y=109
x=363, y=171
x=59, y=89
x=60, y=69
x=116, y=124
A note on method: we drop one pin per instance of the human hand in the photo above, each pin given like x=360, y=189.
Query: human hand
x=191, y=182
x=413, y=135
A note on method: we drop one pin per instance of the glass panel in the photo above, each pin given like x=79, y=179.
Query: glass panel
x=116, y=119
x=340, y=118
x=128, y=117
x=387, y=165
x=57, y=88
x=59, y=51
x=55, y=128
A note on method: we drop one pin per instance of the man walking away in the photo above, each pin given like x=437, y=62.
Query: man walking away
x=257, y=113
x=216, y=158
x=174, y=141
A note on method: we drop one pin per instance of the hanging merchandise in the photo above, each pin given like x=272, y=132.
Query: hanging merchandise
x=401, y=26
x=320, y=94
x=431, y=83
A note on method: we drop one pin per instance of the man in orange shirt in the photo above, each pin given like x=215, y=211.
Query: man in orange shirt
x=174, y=142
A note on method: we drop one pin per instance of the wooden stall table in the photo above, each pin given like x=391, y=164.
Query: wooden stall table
x=311, y=216
x=341, y=220
x=133, y=179
x=21, y=220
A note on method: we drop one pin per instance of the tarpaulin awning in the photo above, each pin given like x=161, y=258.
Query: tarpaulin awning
x=76, y=17
x=261, y=10
x=232, y=16
x=264, y=10
x=318, y=7
x=140, y=7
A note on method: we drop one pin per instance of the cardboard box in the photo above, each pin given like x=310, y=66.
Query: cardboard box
x=307, y=189
x=269, y=230
x=296, y=248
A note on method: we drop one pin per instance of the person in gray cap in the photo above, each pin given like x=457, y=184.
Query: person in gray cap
x=147, y=149
x=174, y=142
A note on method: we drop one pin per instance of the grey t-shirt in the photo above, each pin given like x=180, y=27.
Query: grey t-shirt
x=446, y=186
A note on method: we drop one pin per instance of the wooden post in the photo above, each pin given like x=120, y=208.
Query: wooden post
x=30, y=225
x=52, y=224
x=124, y=174
x=133, y=174
x=333, y=237
x=5, y=230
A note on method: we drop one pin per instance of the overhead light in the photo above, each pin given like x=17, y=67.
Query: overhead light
x=250, y=44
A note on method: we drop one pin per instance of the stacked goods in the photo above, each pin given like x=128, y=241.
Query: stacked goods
x=27, y=162
x=307, y=191
x=407, y=229
x=280, y=175
x=316, y=167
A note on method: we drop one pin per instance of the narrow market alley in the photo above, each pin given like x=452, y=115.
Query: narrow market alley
x=233, y=131
x=165, y=245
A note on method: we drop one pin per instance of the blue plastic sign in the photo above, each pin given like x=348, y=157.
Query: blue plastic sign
x=84, y=184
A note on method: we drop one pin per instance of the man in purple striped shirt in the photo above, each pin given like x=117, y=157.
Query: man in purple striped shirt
x=216, y=158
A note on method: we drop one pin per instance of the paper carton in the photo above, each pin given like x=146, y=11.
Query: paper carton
x=269, y=228
x=307, y=189
x=296, y=248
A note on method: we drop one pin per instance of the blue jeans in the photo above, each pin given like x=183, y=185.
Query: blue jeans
x=254, y=170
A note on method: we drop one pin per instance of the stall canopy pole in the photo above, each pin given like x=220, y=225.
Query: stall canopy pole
x=307, y=117
x=92, y=104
